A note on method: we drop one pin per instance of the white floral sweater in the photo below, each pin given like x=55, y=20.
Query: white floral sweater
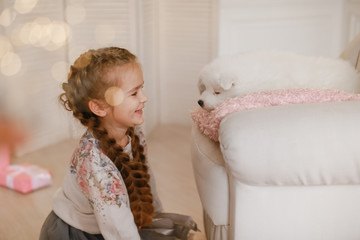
x=93, y=197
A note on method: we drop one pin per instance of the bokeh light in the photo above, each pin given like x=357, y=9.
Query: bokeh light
x=42, y=32
x=75, y=13
x=7, y=17
x=60, y=70
x=104, y=34
x=14, y=36
x=24, y=6
x=10, y=64
x=25, y=33
x=5, y=46
x=60, y=32
x=114, y=96
x=35, y=34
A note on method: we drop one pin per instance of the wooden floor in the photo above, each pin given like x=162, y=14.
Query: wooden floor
x=21, y=215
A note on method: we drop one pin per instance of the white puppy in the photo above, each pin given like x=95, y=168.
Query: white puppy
x=237, y=75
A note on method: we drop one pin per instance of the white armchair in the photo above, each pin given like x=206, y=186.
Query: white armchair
x=280, y=173
x=286, y=172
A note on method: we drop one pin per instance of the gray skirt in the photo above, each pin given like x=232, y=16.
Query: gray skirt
x=54, y=228
x=165, y=226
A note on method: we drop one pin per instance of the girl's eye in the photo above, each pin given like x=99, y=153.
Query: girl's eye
x=134, y=94
x=216, y=93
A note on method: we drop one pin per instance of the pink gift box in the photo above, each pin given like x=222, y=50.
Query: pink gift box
x=25, y=177
x=4, y=156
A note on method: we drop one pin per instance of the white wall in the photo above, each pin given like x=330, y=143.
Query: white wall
x=309, y=27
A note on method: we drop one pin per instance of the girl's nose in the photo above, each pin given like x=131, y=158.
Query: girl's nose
x=142, y=96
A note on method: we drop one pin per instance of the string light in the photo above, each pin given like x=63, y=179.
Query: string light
x=5, y=46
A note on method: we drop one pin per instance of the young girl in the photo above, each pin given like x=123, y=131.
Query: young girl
x=109, y=191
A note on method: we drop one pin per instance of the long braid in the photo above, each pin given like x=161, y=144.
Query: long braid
x=85, y=83
x=134, y=173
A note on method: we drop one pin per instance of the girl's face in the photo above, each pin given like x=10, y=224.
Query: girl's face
x=127, y=110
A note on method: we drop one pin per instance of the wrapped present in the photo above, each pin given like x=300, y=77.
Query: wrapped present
x=4, y=156
x=25, y=177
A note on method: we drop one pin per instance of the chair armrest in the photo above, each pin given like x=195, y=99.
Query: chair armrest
x=300, y=144
x=210, y=176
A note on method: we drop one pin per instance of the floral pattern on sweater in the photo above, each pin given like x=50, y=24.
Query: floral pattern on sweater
x=97, y=176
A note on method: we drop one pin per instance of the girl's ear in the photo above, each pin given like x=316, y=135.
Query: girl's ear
x=97, y=108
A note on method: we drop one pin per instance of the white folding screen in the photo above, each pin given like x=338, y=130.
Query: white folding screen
x=185, y=42
x=103, y=23
x=46, y=36
x=36, y=34
x=148, y=49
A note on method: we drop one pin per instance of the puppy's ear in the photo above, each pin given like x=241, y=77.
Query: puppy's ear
x=201, y=86
x=227, y=80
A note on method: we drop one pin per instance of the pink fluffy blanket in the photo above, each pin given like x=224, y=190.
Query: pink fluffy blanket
x=208, y=122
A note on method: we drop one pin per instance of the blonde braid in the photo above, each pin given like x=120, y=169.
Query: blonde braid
x=84, y=84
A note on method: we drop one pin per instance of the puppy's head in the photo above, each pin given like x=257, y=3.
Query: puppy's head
x=215, y=88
